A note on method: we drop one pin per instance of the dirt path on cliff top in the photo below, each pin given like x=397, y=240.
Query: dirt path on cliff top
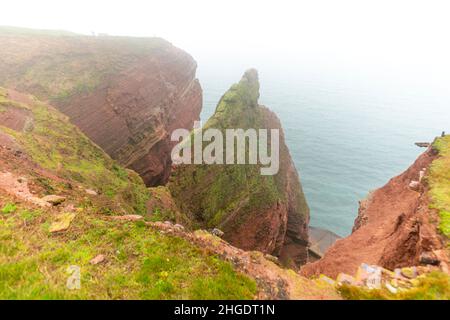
x=394, y=228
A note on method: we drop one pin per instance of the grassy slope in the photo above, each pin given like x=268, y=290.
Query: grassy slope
x=439, y=180
x=140, y=262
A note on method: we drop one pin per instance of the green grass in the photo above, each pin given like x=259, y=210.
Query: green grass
x=439, y=181
x=433, y=286
x=57, y=145
x=25, y=31
x=140, y=262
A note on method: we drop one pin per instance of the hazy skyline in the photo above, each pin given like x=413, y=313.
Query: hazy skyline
x=355, y=32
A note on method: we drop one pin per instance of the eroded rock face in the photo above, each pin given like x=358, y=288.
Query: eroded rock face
x=393, y=228
x=125, y=94
x=256, y=212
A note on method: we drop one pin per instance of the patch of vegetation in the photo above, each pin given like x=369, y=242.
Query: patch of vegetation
x=57, y=145
x=439, y=181
x=3, y=93
x=433, y=286
x=140, y=263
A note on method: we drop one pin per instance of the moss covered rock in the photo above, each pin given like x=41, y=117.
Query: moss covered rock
x=257, y=212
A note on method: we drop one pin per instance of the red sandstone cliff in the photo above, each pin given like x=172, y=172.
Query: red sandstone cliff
x=126, y=94
x=393, y=228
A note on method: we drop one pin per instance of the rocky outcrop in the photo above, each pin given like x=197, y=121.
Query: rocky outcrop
x=394, y=227
x=256, y=212
x=125, y=94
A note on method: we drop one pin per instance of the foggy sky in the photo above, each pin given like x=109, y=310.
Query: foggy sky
x=394, y=34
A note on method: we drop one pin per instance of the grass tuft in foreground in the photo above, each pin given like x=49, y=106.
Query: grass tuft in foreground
x=439, y=181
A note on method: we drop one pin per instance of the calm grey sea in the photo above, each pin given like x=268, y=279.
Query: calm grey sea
x=347, y=133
